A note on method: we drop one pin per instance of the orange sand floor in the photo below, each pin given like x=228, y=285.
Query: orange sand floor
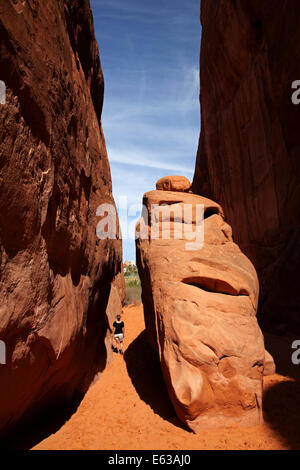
x=128, y=407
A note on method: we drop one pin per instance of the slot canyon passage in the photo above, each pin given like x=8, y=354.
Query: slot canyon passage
x=197, y=362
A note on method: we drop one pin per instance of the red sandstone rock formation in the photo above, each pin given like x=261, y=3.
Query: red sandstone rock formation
x=269, y=365
x=55, y=274
x=200, y=312
x=173, y=183
x=248, y=157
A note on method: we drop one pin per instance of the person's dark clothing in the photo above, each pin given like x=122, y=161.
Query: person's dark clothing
x=118, y=327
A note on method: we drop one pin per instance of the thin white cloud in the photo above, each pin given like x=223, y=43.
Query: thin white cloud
x=173, y=140
x=187, y=104
x=137, y=157
x=147, y=13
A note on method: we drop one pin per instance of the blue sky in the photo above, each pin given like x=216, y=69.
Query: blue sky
x=151, y=116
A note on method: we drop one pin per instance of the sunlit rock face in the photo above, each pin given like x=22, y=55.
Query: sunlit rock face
x=173, y=183
x=200, y=301
x=55, y=274
x=248, y=157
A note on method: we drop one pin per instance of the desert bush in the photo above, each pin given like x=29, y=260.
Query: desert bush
x=133, y=294
x=133, y=283
x=130, y=270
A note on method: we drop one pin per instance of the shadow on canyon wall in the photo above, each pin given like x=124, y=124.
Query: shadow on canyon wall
x=281, y=405
x=42, y=427
x=281, y=408
x=52, y=412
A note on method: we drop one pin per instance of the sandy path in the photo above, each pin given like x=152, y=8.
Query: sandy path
x=128, y=408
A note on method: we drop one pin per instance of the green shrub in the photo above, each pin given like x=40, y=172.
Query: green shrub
x=133, y=294
x=133, y=283
x=130, y=270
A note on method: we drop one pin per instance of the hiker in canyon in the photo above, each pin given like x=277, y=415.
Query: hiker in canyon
x=118, y=334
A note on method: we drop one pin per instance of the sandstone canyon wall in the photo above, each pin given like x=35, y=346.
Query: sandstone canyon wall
x=55, y=274
x=248, y=157
x=200, y=306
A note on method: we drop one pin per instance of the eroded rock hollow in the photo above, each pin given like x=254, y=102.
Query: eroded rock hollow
x=56, y=276
x=200, y=303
